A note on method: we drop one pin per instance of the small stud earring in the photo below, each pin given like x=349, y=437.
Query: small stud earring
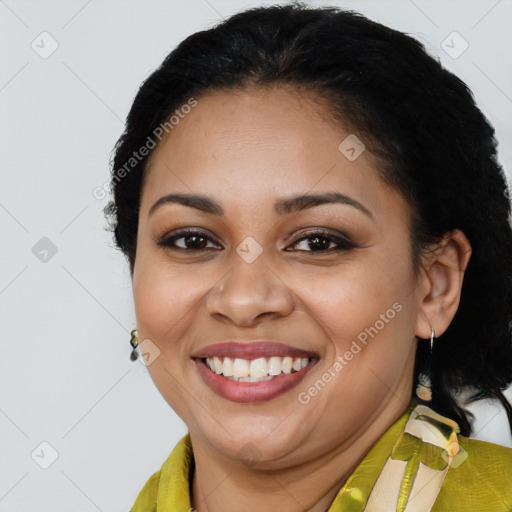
x=134, y=342
x=424, y=387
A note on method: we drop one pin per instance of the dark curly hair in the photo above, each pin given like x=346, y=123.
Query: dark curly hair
x=418, y=119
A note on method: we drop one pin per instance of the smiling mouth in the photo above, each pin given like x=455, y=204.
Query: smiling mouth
x=255, y=370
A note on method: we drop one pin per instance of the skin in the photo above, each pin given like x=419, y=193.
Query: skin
x=246, y=150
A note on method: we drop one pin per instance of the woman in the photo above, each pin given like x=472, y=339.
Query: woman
x=318, y=235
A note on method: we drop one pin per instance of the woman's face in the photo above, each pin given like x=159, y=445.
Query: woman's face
x=343, y=302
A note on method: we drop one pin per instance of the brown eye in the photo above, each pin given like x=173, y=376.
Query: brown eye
x=320, y=241
x=192, y=240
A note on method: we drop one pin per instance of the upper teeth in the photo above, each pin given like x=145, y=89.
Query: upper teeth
x=260, y=368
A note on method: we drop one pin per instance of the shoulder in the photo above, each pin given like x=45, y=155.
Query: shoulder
x=170, y=484
x=480, y=481
x=146, y=500
x=483, y=450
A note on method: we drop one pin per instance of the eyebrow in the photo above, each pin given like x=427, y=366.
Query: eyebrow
x=283, y=206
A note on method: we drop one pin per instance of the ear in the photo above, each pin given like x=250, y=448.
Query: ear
x=440, y=289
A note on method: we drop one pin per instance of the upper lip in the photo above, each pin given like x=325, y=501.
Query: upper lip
x=251, y=349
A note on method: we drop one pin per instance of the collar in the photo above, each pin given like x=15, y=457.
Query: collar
x=419, y=440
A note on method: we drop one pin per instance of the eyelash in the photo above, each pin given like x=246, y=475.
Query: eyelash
x=343, y=243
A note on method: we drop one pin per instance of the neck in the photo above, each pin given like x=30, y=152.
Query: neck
x=222, y=484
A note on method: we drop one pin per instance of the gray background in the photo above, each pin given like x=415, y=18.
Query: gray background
x=66, y=378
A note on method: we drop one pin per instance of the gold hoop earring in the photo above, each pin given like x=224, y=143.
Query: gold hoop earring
x=134, y=342
x=424, y=388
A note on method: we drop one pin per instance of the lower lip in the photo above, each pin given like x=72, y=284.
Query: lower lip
x=246, y=392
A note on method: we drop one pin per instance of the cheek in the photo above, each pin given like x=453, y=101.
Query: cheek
x=164, y=302
x=164, y=299
x=368, y=293
x=151, y=295
x=367, y=313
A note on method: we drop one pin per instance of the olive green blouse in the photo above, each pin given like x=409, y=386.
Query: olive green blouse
x=480, y=480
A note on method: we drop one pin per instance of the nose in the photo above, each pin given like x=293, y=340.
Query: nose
x=248, y=293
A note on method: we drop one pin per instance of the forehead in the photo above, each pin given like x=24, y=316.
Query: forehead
x=256, y=144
